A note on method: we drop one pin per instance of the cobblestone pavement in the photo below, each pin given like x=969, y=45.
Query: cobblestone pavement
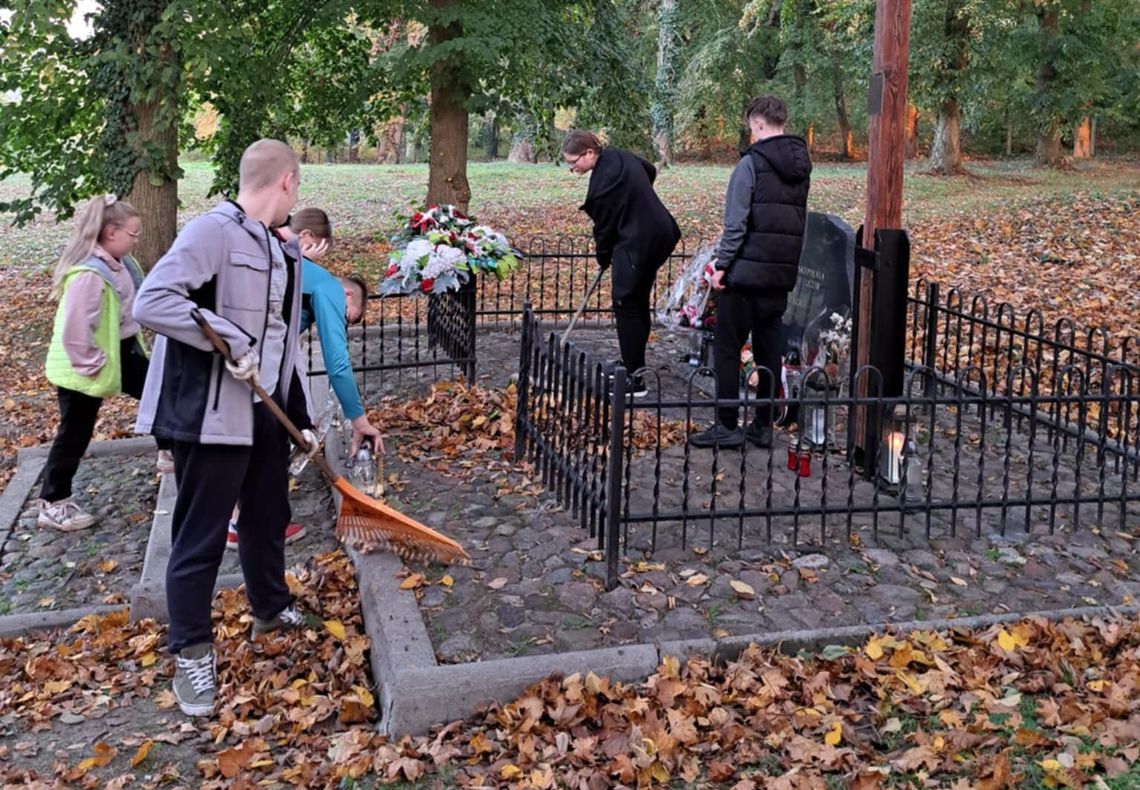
x=536, y=583
x=44, y=570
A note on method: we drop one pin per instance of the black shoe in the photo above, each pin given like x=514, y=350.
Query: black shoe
x=717, y=436
x=759, y=435
x=634, y=385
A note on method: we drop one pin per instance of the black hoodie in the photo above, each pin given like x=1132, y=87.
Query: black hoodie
x=632, y=228
x=764, y=215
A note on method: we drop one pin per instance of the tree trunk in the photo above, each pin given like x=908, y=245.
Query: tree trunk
x=911, y=132
x=354, y=146
x=946, y=153
x=157, y=204
x=810, y=137
x=1049, y=128
x=447, y=159
x=1009, y=138
x=1082, y=140
x=491, y=138
x=665, y=92
x=522, y=150
x=846, y=141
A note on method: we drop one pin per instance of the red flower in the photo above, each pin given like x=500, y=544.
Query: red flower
x=459, y=215
x=392, y=269
x=427, y=285
x=417, y=217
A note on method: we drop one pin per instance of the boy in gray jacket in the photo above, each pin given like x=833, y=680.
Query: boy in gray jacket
x=227, y=446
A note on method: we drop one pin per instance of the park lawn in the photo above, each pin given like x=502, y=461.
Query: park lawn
x=1065, y=242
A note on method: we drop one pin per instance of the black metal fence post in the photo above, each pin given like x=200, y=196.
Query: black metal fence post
x=523, y=393
x=614, y=475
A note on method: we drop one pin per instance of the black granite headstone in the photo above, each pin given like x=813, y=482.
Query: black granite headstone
x=826, y=274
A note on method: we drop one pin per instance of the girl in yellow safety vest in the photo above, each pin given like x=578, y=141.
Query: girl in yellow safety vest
x=96, y=350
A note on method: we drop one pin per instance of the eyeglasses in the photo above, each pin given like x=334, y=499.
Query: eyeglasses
x=134, y=234
x=574, y=162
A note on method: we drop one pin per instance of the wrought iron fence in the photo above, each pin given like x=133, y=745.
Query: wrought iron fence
x=980, y=440
x=1007, y=422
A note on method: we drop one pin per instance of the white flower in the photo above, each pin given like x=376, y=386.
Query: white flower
x=443, y=259
x=417, y=249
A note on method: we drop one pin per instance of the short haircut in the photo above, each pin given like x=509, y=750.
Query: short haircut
x=313, y=220
x=771, y=108
x=579, y=141
x=263, y=162
x=362, y=287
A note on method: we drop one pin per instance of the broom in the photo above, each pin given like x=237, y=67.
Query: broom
x=361, y=517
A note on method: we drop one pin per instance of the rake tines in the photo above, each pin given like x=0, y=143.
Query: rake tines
x=367, y=521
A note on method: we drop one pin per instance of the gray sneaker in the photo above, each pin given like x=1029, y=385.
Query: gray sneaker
x=64, y=515
x=196, y=679
x=288, y=619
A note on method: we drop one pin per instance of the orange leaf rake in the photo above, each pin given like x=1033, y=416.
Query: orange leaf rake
x=361, y=517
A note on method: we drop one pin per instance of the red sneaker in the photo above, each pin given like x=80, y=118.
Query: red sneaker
x=293, y=531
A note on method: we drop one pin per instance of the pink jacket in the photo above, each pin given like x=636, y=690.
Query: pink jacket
x=84, y=302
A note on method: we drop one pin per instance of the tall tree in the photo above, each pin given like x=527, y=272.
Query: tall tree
x=665, y=89
x=944, y=30
x=95, y=114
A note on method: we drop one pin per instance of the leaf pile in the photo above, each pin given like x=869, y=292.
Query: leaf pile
x=1024, y=704
x=1076, y=256
x=458, y=428
x=1029, y=704
x=286, y=692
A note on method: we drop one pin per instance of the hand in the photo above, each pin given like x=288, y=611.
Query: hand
x=312, y=443
x=718, y=282
x=244, y=368
x=362, y=429
x=314, y=249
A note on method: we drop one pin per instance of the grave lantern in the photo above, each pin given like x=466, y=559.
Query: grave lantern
x=895, y=449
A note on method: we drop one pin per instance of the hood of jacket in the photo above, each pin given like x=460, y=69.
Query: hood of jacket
x=787, y=154
x=605, y=176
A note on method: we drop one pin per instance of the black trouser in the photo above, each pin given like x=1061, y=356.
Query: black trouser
x=77, y=416
x=211, y=479
x=631, y=314
x=739, y=313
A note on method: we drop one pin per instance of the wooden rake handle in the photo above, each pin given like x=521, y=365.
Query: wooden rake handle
x=585, y=301
x=295, y=434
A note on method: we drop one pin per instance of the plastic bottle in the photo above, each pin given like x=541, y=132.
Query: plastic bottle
x=323, y=420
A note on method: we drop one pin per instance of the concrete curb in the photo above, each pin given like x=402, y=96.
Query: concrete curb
x=136, y=445
x=19, y=624
x=17, y=491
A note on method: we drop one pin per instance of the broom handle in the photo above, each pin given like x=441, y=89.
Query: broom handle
x=295, y=434
x=586, y=301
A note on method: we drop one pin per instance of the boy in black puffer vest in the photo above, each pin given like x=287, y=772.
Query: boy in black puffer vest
x=757, y=262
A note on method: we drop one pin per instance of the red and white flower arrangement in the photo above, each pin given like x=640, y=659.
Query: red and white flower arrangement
x=440, y=249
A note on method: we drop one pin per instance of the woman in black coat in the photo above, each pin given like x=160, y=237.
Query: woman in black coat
x=634, y=234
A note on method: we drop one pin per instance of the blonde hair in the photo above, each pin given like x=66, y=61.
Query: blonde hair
x=100, y=211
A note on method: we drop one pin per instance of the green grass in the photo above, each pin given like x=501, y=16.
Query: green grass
x=526, y=200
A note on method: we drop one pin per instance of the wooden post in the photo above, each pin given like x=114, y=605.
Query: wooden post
x=886, y=152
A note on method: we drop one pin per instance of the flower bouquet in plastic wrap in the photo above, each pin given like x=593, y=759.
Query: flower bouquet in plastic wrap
x=690, y=302
x=439, y=249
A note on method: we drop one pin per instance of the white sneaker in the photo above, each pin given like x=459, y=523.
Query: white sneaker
x=196, y=679
x=64, y=515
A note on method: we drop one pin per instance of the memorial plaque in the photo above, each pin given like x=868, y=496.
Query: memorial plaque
x=826, y=275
